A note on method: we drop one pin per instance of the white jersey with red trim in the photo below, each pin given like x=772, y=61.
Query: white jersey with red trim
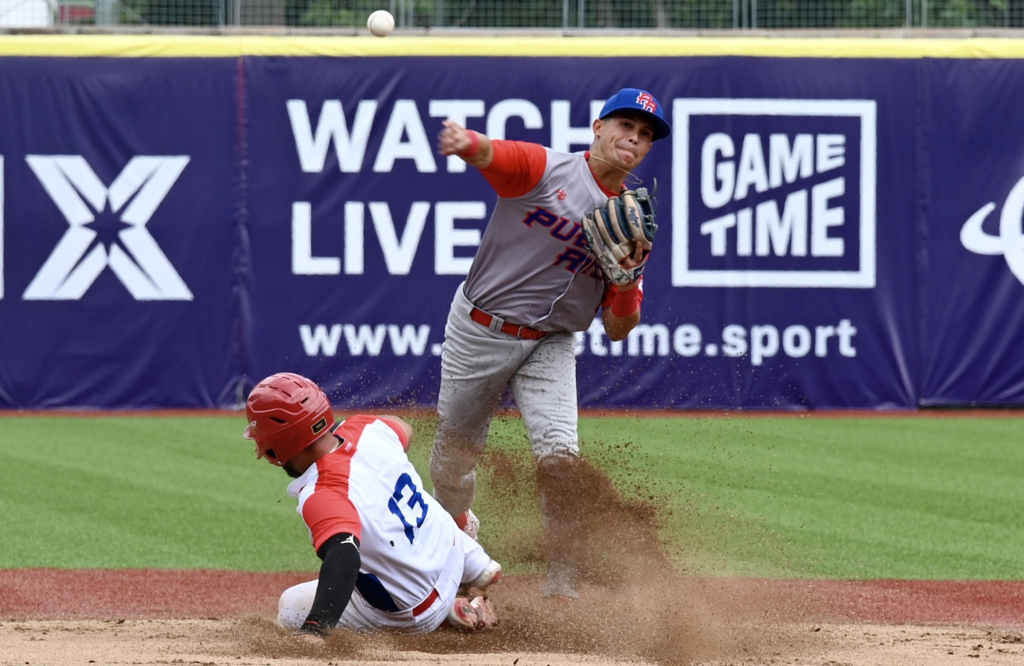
x=368, y=487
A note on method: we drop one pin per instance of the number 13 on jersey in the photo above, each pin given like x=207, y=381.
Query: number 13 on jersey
x=406, y=510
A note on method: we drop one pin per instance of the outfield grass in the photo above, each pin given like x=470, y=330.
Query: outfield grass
x=898, y=497
x=846, y=497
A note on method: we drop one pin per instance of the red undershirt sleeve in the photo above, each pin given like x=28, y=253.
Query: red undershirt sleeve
x=328, y=512
x=517, y=167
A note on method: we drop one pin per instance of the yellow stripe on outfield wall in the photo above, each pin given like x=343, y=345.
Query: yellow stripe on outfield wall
x=229, y=46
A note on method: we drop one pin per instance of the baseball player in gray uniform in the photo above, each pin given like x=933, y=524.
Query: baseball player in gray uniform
x=533, y=284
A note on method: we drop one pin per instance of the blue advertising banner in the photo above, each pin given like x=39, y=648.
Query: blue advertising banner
x=973, y=274
x=764, y=288
x=834, y=232
x=118, y=227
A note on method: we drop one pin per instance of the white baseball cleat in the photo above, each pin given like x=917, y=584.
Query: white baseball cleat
x=469, y=523
x=472, y=614
x=491, y=574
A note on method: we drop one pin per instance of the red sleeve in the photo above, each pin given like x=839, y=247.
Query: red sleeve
x=352, y=428
x=328, y=512
x=517, y=167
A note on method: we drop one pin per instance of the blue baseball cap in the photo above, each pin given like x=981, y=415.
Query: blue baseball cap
x=634, y=99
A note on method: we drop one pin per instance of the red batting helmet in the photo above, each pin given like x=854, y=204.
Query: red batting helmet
x=287, y=413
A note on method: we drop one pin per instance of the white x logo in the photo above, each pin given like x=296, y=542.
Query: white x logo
x=72, y=268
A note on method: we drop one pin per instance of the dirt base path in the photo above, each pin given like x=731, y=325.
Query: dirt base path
x=157, y=617
x=239, y=643
x=210, y=642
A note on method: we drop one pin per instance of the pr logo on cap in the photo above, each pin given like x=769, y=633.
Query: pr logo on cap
x=646, y=100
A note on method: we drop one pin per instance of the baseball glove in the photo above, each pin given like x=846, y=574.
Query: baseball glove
x=615, y=229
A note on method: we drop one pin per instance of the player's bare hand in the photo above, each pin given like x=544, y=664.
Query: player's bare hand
x=453, y=139
x=632, y=261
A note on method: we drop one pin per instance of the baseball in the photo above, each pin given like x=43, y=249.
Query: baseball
x=381, y=23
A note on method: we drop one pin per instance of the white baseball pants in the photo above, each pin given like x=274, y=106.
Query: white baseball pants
x=466, y=562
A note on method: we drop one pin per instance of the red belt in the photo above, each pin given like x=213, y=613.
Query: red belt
x=427, y=603
x=524, y=332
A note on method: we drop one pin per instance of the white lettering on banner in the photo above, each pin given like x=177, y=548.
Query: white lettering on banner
x=349, y=148
x=408, y=339
x=448, y=237
x=796, y=341
x=303, y=261
x=76, y=262
x=723, y=181
x=831, y=152
x=717, y=178
x=320, y=340
x=764, y=342
x=789, y=231
x=1010, y=241
x=686, y=340
x=785, y=233
x=760, y=342
x=651, y=339
x=405, y=121
x=364, y=339
x=823, y=217
x=803, y=223
x=751, y=169
x=406, y=137
x=399, y=251
x=354, y=224
x=497, y=119
x=565, y=137
x=734, y=340
x=459, y=110
x=787, y=162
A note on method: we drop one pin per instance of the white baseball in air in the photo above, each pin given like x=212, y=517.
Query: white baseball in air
x=381, y=23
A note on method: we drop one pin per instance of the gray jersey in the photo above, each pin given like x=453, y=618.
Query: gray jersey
x=533, y=267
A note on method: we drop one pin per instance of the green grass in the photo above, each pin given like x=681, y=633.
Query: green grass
x=885, y=497
x=932, y=498
x=143, y=492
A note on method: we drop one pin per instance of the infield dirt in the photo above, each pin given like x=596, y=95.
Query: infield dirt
x=635, y=608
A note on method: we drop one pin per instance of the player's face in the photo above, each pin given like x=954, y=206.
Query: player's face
x=624, y=139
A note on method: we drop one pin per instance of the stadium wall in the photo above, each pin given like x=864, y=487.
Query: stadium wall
x=840, y=219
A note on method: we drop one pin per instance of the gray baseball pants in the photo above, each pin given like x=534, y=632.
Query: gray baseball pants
x=477, y=364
